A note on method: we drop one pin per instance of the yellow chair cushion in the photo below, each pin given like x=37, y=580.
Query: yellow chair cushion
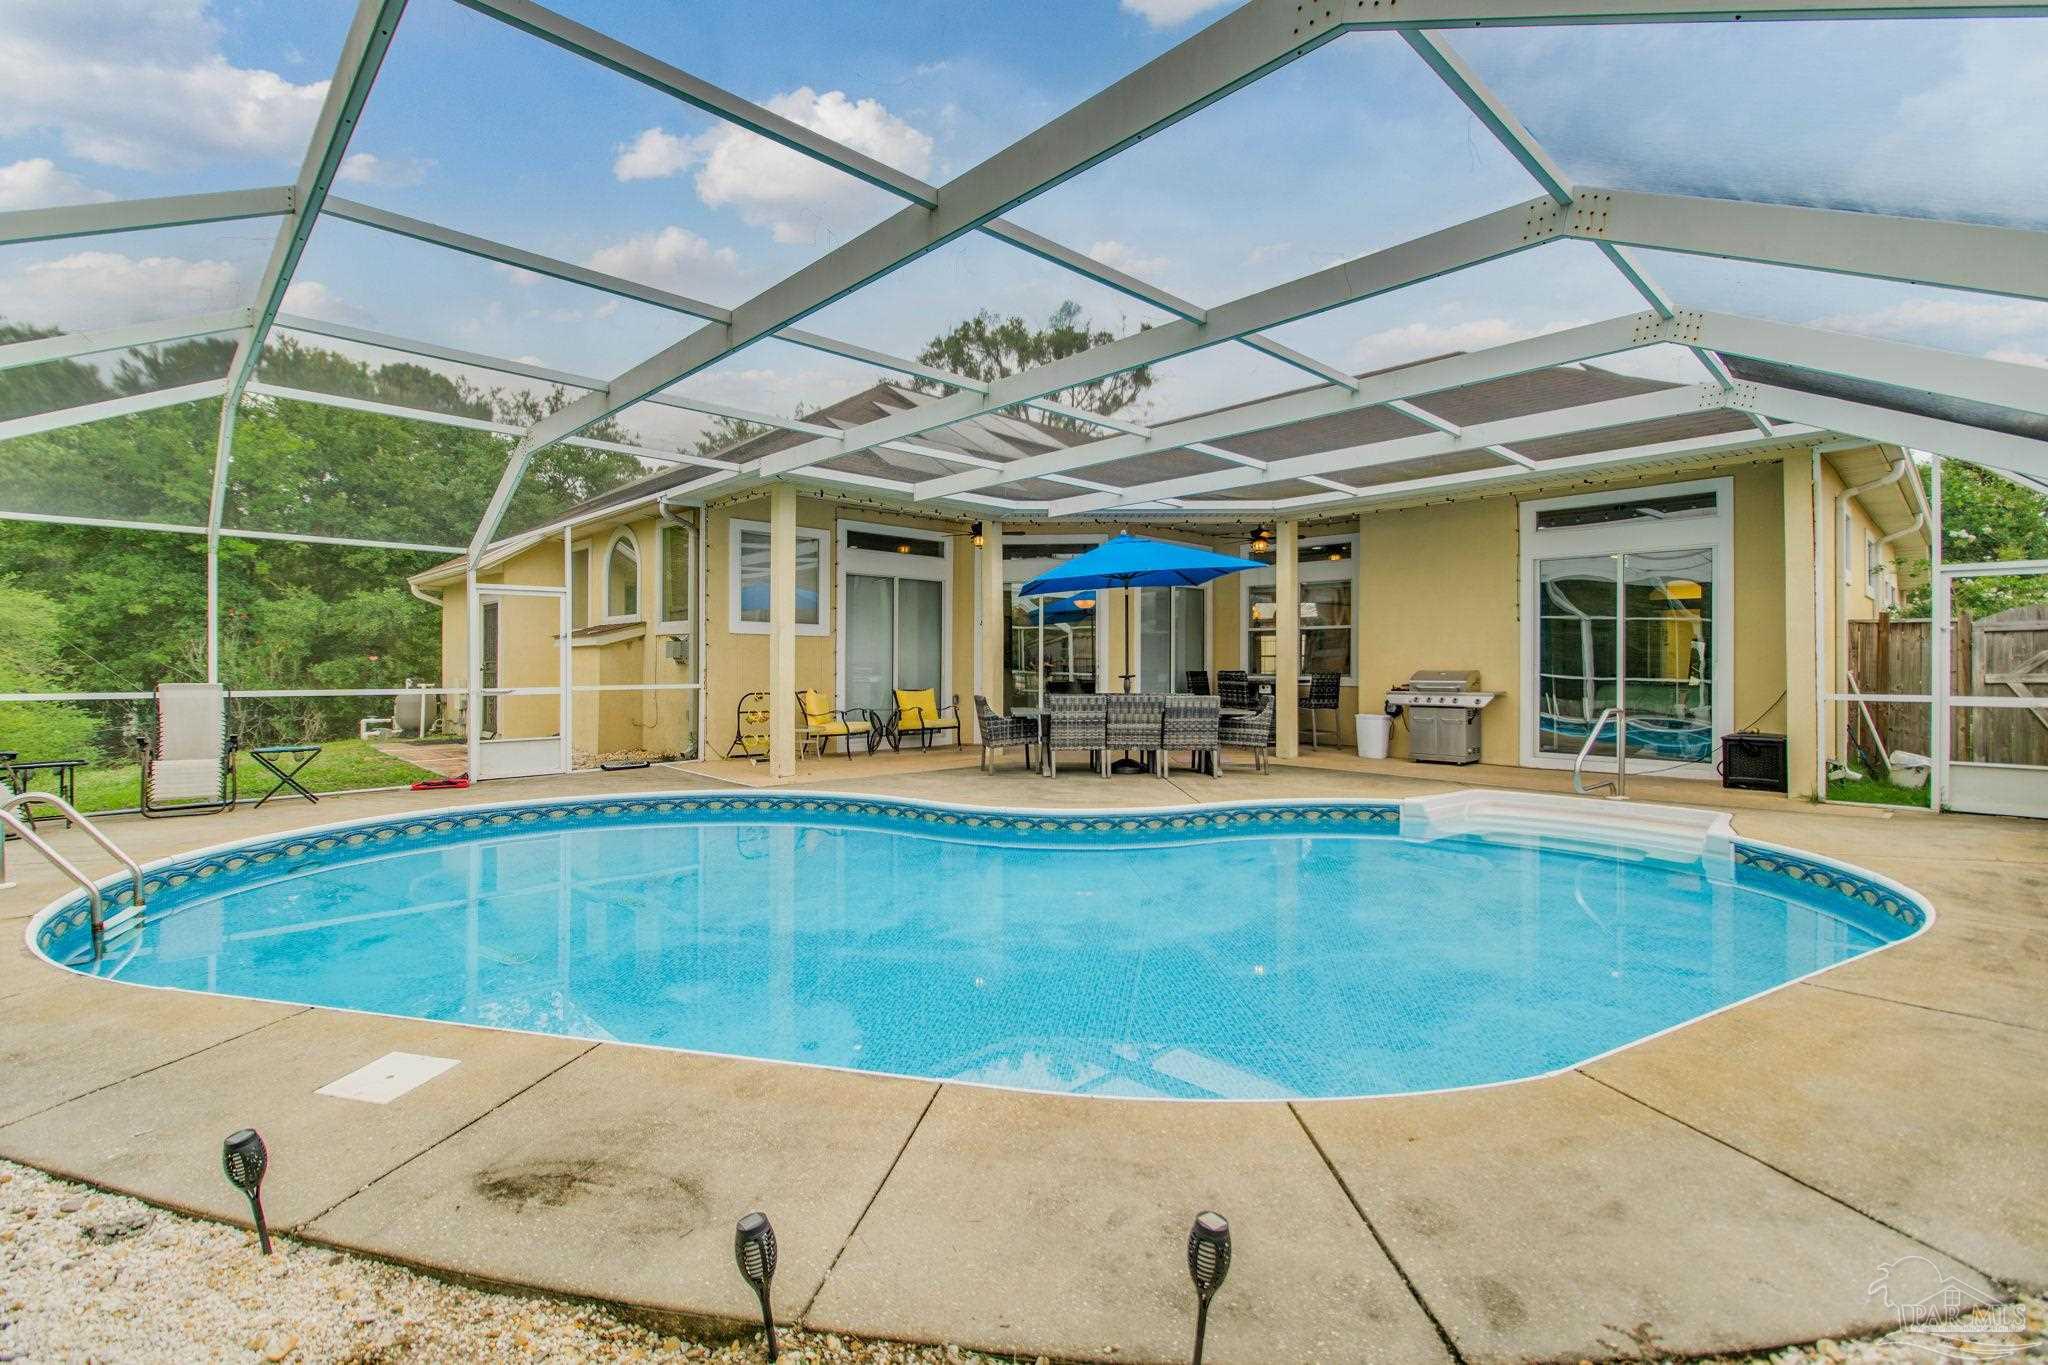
x=819, y=720
x=920, y=710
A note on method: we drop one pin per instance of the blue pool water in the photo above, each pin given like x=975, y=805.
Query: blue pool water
x=1261, y=954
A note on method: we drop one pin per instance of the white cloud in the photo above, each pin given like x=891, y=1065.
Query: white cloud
x=518, y=275
x=674, y=258
x=106, y=288
x=795, y=197
x=143, y=84
x=367, y=168
x=1129, y=259
x=1980, y=321
x=1167, y=13
x=36, y=183
x=776, y=391
x=313, y=299
x=1270, y=251
x=655, y=155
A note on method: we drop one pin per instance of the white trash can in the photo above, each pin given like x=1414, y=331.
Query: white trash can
x=1373, y=734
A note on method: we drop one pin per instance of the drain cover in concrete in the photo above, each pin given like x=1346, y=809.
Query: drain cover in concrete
x=385, y=1079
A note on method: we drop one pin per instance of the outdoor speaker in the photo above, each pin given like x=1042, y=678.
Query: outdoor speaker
x=1753, y=762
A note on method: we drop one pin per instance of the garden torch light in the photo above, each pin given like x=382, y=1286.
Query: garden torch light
x=243, y=1158
x=753, y=1246
x=1208, y=1263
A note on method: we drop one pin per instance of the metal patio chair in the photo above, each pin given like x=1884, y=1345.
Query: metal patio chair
x=1003, y=732
x=1193, y=723
x=1196, y=682
x=188, y=760
x=822, y=724
x=918, y=713
x=1320, y=697
x=1252, y=731
x=1078, y=721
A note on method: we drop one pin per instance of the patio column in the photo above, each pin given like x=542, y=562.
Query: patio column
x=1287, y=640
x=782, y=631
x=991, y=623
x=1802, y=621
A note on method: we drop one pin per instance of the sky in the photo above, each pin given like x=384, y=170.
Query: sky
x=1355, y=147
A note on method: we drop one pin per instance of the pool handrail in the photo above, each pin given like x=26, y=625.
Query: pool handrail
x=27, y=831
x=1619, y=782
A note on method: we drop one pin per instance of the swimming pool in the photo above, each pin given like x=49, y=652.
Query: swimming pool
x=1260, y=951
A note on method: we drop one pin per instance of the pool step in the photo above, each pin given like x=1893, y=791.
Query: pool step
x=1676, y=834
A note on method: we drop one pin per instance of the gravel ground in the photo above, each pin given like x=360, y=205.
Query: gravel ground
x=169, y=1288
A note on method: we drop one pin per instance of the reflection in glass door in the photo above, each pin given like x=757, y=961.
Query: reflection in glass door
x=1636, y=625
x=894, y=638
x=1173, y=634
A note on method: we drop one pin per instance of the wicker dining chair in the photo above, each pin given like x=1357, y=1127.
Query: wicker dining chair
x=1193, y=723
x=1235, y=690
x=1197, y=682
x=1003, y=732
x=1078, y=722
x=1132, y=722
x=1253, y=731
x=1321, y=697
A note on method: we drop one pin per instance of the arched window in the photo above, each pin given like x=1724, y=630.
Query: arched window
x=622, y=578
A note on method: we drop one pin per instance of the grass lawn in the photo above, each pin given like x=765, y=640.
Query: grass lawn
x=343, y=764
x=1877, y=792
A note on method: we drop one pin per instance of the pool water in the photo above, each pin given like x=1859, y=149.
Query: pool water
x=1264, y=960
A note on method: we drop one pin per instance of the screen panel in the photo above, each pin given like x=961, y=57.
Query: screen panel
x=77, y=284
x=154, y=466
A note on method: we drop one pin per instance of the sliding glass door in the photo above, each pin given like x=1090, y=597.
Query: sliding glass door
x=1173, y=636
x=892, y=630
x=1625, y=595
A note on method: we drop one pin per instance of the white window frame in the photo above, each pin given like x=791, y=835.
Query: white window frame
x=604, y=596
x=735, y=532
x=883, y=564
x=663, y=529
x=1716, y=532
x=1308, y=571
x=1873, y=568
x=586, y=551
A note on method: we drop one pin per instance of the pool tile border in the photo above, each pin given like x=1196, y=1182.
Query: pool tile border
x=70, y=918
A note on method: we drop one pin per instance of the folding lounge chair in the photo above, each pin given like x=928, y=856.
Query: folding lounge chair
x=188, y=763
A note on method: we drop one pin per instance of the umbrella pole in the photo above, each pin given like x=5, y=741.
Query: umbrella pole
x=1127, y=764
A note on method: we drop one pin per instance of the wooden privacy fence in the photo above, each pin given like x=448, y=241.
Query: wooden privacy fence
x=2000, y=656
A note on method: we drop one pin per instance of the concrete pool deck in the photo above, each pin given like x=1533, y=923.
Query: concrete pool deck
x=1739, y=1183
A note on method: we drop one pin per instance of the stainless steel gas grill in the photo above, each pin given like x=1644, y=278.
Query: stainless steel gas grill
x=1443, y=706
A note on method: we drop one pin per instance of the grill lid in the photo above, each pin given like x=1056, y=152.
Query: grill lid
x=1443, y=680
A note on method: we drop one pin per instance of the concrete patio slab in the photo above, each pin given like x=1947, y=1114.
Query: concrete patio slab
x=1561, y=1220
x=620, y=1176
x=68, y=1036
x=1058, y=1226
x=1931, y=1122
x=162, y=1129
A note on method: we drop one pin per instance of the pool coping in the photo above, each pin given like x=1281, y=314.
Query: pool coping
x=789, y=798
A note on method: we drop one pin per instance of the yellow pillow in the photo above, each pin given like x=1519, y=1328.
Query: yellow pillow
x=920, y=708
x=815, y=707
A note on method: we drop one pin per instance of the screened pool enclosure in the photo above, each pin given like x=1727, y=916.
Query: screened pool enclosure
x=532, y=258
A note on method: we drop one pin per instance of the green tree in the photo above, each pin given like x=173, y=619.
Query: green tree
x=29, y=663
x=989, y=347
x=1986, y=518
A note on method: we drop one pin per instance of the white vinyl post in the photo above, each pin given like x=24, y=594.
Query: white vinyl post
x=782, y=631
x=473, y=719
x=1287, y=640
x=1943, y=649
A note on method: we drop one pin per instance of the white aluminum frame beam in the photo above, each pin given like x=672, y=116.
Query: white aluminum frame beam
x=65, y=345
x=1230, y=53
x=1613, y=412
x=1488, y=237
x=1977, y=445
x=134, y=215
x=362, y=54
x=583, y=41
x=1923, y=368
x=1495, y=362
x=37, y=423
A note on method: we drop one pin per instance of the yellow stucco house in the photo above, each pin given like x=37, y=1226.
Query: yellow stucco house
x=1712, y=578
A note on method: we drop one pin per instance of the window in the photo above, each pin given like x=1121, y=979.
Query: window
x=622, y=579
x=579, y=588
x=1326, y=567
x=678, y=574
x=749, y=568
x=1873, y=569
